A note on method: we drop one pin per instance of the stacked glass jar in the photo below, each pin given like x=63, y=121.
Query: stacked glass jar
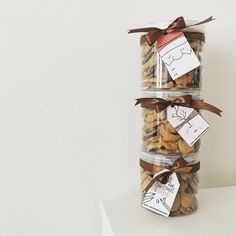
x=161, y=144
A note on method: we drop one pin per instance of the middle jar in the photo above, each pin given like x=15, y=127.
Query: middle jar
x=154, y=72
x=158, y=135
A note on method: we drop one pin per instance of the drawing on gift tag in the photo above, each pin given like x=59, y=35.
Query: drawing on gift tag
x=187, y=122
x=148, y=197
x=197, y=129
x=182, y=116
x=163, y=201
x=160, y=197
x=176, y=53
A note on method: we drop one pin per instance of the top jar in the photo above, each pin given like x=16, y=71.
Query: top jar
x=154, y=72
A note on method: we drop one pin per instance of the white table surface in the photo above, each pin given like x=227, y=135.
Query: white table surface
x=215, y=216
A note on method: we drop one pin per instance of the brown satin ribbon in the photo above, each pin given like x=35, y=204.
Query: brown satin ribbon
x=153, y=33
x=179, y=166
x=160, y=104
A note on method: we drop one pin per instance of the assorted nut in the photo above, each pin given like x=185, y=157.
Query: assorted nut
x=159, y=136
x=155, y=74
x=185, y=200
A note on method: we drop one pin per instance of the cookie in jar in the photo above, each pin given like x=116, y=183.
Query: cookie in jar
x=156, y=73
x=158, y=135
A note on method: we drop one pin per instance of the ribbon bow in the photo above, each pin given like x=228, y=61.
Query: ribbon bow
x=160, y=104
x=153, y=33
x=179, y=166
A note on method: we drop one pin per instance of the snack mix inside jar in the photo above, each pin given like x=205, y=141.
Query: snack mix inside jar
x=154, y=71
x=185, y=201
x=158, y=135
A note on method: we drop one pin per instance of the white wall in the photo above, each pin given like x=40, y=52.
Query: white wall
x=69, y=133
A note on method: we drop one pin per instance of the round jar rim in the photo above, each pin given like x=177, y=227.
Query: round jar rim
x=170, y=92
x=158, y=159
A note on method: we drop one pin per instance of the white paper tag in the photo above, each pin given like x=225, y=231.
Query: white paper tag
x=188, y=123
x=177, y=54
x=160, y=197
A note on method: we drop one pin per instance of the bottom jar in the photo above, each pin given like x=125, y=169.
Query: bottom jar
x=186, y=198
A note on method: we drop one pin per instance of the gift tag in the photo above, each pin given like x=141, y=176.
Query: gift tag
x=160, y=197
x=188, y=123
x=177, y=54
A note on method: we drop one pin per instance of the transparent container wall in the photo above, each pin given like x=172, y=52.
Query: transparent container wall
x=155, y=74
x=158, y=135
x=186, y=199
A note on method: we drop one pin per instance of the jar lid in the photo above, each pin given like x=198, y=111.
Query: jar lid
x=160, y=159
x=169, y=93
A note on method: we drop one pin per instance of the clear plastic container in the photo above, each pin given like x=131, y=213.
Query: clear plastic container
x=186, y=199
x=154, y=72
x=158, y=135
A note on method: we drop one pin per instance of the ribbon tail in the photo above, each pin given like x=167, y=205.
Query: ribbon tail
x=205, y=106
x=142, y=30
x=149, y=185
x=158, y=104
x=141, y=100
x=202, y=22
x=146, y=103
